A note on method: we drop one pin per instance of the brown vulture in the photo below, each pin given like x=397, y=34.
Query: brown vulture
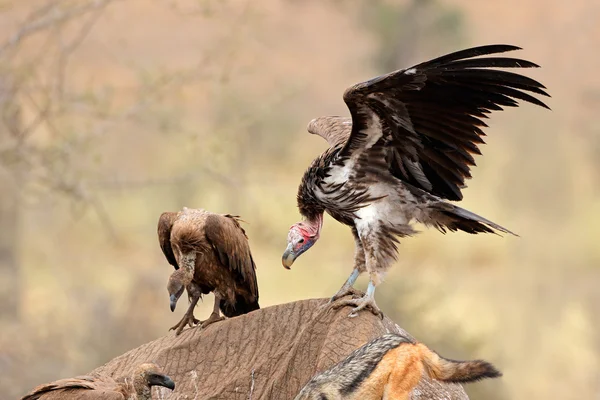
x=98, y=387
x=404, y=152
x=214, y=255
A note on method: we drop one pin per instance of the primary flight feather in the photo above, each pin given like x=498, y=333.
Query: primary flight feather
x=404, y=152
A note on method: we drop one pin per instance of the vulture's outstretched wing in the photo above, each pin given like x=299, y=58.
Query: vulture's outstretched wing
x=165, y=223
x=230, y=243
x=429, y=117
x=336, y=130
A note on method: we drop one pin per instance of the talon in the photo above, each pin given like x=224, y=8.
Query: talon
x=188, y=319
x=211, y=320
x=365, y=302
x=205, y=325
x=345, y=291
x=178, y=328
x=341, y=303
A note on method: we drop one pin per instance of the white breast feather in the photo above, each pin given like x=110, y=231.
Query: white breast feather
x=386, y=211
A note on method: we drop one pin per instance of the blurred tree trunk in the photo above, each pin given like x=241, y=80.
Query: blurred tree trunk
x=10, y=183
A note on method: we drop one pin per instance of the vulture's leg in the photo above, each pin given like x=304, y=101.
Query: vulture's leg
x=348, y=288
x=359, y=267
x=216, y=314
x=375, y=267
x=188, y=317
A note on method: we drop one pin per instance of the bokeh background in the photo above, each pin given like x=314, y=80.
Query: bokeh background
x=114, y=111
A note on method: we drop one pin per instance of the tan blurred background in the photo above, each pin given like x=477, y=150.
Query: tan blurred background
x=114, y=111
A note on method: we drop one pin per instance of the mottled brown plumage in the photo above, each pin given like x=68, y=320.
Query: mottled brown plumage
x=100, y=387
x=210, y=253
x=405, y=151
x=390, y=367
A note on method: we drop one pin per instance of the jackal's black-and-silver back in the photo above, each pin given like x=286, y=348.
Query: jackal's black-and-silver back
x=346, y=377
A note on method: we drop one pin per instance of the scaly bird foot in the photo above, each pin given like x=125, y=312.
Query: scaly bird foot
x=345, y=291
x=211, y=320
x=188, y=319
x=359, y=304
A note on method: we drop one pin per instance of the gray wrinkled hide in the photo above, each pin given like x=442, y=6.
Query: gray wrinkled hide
x=267, y=354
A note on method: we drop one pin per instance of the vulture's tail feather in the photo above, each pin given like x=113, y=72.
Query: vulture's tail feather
x=242, y=305
x=451, y=217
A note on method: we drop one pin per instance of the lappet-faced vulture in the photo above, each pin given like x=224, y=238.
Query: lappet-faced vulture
x=210, y=253
x=137, y=386
x=404, y=152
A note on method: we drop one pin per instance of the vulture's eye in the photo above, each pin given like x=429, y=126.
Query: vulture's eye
x=301, y=240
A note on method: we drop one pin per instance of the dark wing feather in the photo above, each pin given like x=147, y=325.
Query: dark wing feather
x=165, y=223
x=429, y=117
x=81, y=387
x=230, y=244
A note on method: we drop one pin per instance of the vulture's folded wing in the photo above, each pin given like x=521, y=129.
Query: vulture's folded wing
x=230, y=244
x=429, y=117
x=165, y=223
x=81, y=387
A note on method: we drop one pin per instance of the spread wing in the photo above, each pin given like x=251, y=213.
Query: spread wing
x=230, y=244
x=429, y=117
x=165, y=223
x=82, y=387
x=336, y=130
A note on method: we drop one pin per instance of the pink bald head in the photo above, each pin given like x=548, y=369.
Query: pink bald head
x=301, y=237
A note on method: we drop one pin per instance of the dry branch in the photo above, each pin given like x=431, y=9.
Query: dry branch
x=47, y=17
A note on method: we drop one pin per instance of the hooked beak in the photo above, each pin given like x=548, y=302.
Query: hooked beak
x=162, y=380
x=288, y=257
x=168, y=383
x=173, y=302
